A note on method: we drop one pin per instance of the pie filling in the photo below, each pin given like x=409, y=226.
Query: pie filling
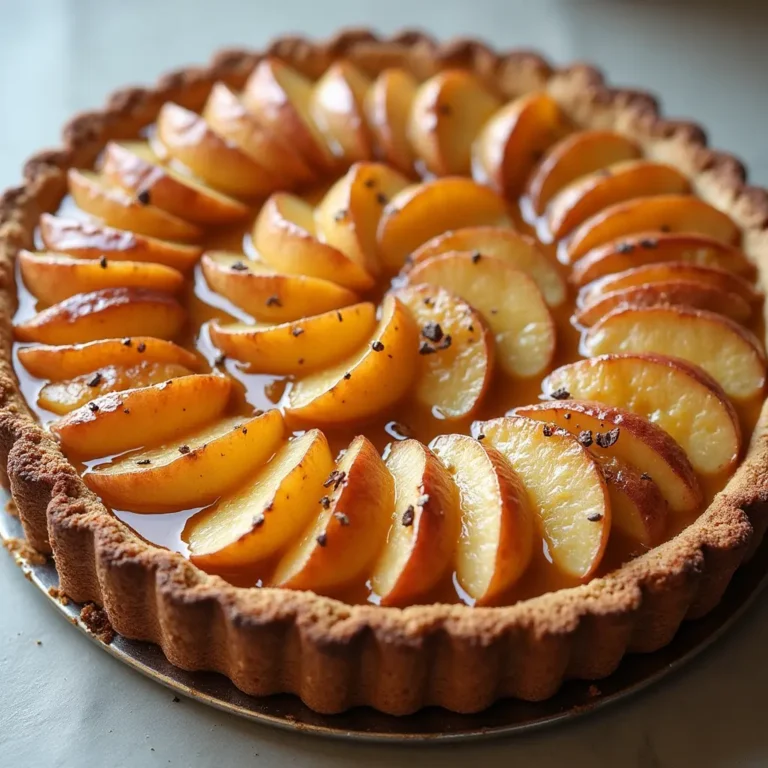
x=391, y=341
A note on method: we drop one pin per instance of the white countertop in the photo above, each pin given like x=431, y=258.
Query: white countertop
x=63, y=701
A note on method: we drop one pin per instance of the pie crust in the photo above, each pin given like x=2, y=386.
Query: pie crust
x=335, y=656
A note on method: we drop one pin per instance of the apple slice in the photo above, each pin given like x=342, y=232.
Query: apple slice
x=611, y=431
x=724, y=349
x=682, y=399
x=105, y=314
x=496, y=542
x=573, y=157
x=566, y=489
x=227, y=116
x=447, y=113
x=521, y=252
x=387, y=110
x=348, y=215
x=513, y=140
x=339, y=547
x=145, y=416
x=314, y=342
x=190, y=471
x=266, y=294
x=53, y=277
x=456, y=351
x=420, y=212
x=85, y=240
x=286, y=237
x=615, y=184
x=366, y=383
x=69, y=361
x=116, y=208
x=257, y=521
x=424, y=530
x=508, y=300
x=663, y=213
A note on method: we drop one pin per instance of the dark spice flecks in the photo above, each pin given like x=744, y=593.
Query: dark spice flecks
x=325, y=502
x=95, y=381
x=322, y=539
x=607, y=439
x=93, y=407
x=381, y=198
x=143, y=197
x=548, y=430
x=127, y=342
x=335, y=479
x=340, y=215
x=425, y=348
x=649, y=243
x=184, y=449
x=342, y=518
x=141, y=348
x=258, y=521
x=585, y=438
x=595, y=517
x=347, y=376
x=408, y=516
x=432, y=331
x=476, y=256
x=339, y=316
x=220, y=360
x=446, y=342
x=645, y=476
x=239, y=266
x=274, y=301
x=625, y=247
x=561, y=393
x=103, y=262
x=143, y=462
x=297, y=331
x=377, y=346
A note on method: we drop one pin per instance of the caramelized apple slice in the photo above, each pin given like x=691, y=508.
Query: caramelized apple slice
x=314, y=342
x=665, y=213
x=576, y=156
x=565, y=487
x=508, y=300
x=190, y=471
x=496, y=541
x=286, y=237
x=447, y=113
x=611, y=431
x=52, y=277
x=85, y=240
x=420, y=212
x=725, y=350
x=424, y=529
x=267, y=295
x=257, y=521
x=366, y=383
x=615, y=184
x=456, y=351
x=105, y=314
x=521, y=252
x=339, y=547
x=119, y=209
x=349, y=213
x=141, y=417
x=685, y=401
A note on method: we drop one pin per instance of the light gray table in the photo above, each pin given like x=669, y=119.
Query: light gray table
x=63, y=702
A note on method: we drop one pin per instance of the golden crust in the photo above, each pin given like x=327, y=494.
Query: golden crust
x=333, y=655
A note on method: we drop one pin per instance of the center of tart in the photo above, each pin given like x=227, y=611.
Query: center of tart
x=328, y=386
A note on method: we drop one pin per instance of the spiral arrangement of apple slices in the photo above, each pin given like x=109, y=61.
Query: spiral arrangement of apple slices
x=426, y=176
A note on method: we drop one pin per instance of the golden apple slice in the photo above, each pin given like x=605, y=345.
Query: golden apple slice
x=105, y=314
x=611, y=431
x=496, y=541
x=116, y=208
x=684, y=400
x=69, y=361
x=259, y=520
x=190, y=471
x=447, y=113
x=521, y=252
x=314, y=342
x=52, y=277
x=424, y=530
x=456, y=351
x=281, y=97
x=266, y=294
x=566, y=489
x=615, y=184
x=576, y=156
x=513, y=140
x=508, y=300
x=85, y=240
x=348, y=215
x=663, y=213
x=339, y=547
x=285, y=235
x=387, y=109
x=187, y=138
x=420, y=212
x=145, y=416
x=724, y=349
x=227, y=116
x=366, y=383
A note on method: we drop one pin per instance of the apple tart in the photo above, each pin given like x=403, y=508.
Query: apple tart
x=387, y=372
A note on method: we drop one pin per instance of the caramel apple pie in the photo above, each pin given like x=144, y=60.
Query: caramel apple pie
x=386, y=372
